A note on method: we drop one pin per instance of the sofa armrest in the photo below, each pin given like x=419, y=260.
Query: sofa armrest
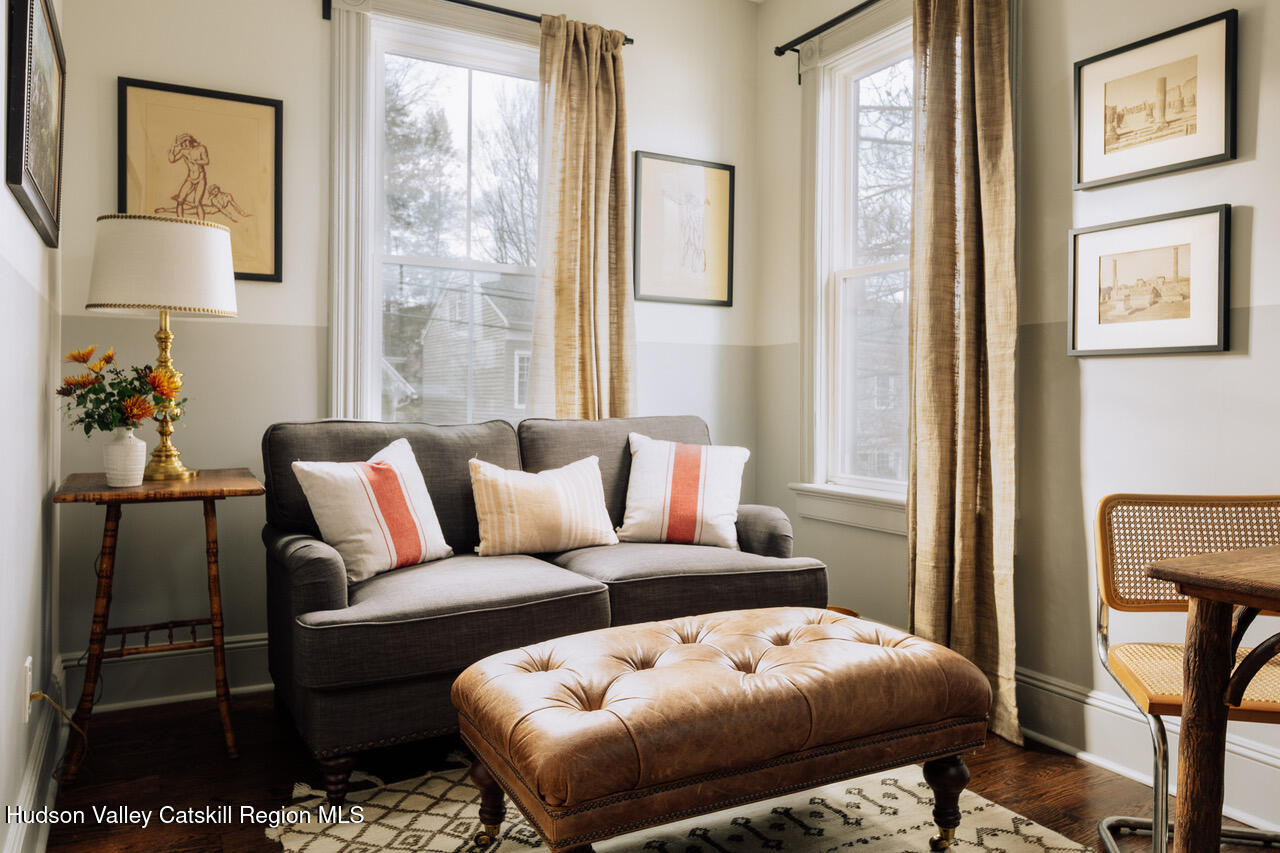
x=312, y=572
x=764, y=530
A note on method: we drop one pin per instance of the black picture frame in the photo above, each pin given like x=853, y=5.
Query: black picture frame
x=639, y=231
x=28, y=115
x=125, y=85
x=1082, y=181
x=1223, y=246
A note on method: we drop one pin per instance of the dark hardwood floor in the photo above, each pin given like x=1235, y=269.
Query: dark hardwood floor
x=173, y=755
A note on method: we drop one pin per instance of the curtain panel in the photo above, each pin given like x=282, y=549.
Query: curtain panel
x=584, y=330
x=961, y=484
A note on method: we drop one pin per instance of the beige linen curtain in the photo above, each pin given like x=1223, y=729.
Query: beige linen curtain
x=960, y=496
x=584, y=334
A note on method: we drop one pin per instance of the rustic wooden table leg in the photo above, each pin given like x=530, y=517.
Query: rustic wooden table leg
x=1202, y=747
x=97, y=640
x=215, y=616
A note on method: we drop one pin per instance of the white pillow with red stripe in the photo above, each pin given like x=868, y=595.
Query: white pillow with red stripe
x=376, y=514
x=684, y=493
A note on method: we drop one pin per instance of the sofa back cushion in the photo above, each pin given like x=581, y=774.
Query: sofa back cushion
x=442, y=453
x=555, y=443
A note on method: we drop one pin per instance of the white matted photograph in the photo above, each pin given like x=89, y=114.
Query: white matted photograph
x=1153, y=285
x=1157, y=105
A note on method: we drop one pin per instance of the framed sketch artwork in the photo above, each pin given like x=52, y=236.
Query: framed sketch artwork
x=36, y=83
x=200, y=154
x=1158, y=105
x=1153, y=285
x=683, y=230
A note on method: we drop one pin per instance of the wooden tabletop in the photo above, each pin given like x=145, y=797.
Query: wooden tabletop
x=209, y=483
x=1249, y=576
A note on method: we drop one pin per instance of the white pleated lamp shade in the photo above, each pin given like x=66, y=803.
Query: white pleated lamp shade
x=146, y=263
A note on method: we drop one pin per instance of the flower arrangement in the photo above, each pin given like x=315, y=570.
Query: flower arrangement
x=107, y=396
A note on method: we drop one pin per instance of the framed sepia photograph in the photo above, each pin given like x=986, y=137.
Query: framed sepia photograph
x=1158, y=105
x=683, y=230
x=1153, y=285
x=37, y=70
x=200, y=154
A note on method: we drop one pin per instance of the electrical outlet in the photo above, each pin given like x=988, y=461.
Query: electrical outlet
x=26, y=691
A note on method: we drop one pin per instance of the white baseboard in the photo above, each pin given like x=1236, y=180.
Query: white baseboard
x=39, y=789
x=1109, y=721
x=173, y=676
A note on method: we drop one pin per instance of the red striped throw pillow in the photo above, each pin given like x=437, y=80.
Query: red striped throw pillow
x=683, y=493
x=376, y=514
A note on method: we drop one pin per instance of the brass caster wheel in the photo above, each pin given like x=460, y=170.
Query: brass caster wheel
x=485, y=837
x=942, y=841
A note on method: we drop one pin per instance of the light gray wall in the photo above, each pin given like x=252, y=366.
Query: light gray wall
x=29, y=290
x=690, y=92
x=1092, y=426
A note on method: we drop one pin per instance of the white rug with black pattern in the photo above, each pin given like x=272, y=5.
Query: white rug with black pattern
x=887, y=811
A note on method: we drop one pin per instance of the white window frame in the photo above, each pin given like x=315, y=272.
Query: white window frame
x=861, y=45
x=363, y=30
x=526, y=356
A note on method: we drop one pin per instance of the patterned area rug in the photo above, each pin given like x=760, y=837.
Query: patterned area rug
x=886, y=812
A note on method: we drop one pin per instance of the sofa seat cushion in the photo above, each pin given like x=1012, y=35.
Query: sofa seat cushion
x=651, y=581
x=441, y=617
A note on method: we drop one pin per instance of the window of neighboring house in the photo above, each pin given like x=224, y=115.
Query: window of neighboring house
x=458, y=200
x=864, y=222
x=521, y=392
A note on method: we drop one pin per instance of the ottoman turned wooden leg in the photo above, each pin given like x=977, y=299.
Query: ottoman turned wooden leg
x=337, y=777
x=492, y=803
x=947, y=777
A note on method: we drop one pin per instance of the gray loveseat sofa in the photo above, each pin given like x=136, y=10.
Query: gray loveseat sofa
x=371, y=664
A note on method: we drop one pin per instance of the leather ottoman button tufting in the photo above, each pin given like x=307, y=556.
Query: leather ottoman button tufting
x=639, y=723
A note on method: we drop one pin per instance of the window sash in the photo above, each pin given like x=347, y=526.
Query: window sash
x=836, y=214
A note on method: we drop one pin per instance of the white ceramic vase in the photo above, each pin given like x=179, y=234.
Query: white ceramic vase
x=124, y=456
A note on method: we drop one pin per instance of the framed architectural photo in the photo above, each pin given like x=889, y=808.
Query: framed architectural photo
x=200, y=154
x=683, y=230
x=1158, y=105
x=36, y=75
x=1153, y=285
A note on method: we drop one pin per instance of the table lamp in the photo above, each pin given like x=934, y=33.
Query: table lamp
x=147, y=263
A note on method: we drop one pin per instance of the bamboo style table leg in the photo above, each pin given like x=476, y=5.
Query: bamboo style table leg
x=1202, y=748
x=97, y=640
x=215, y=615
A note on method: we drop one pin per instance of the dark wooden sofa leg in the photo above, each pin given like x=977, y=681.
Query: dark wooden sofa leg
x=947, y=777
x=492, y=803
x=337, y=777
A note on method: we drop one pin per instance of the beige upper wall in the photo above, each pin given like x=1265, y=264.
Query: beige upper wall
x=278, y=49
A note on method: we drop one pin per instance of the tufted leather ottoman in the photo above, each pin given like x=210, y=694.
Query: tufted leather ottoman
x=603, y=733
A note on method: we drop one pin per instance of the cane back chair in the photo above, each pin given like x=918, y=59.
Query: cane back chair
x=1134, y=531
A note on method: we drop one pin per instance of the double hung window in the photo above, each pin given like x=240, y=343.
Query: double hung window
x=457, y=200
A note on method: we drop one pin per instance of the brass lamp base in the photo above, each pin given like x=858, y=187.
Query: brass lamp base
x=165, y=463
x=167, y=469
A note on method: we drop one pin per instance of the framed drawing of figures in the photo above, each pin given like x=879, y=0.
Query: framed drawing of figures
x=36, y=75
x=683, y=230
x=1158, y=105
x=200, y=154
x=1153, y=285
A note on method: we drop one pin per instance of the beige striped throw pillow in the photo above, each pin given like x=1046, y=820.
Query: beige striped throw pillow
x=556, y=510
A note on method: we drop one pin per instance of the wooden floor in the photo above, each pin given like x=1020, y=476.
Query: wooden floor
x=173, y=755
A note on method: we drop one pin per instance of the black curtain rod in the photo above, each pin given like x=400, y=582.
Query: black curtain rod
x=818, y=30
x=327, y=10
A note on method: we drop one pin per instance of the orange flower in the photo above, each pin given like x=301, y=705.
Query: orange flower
x=81, y=356
x=98, y=365
x=164, y=383
x=109, y=356
x=84, y=380
x=136, y=408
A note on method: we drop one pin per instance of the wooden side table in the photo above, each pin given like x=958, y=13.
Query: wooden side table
x=208, y=486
